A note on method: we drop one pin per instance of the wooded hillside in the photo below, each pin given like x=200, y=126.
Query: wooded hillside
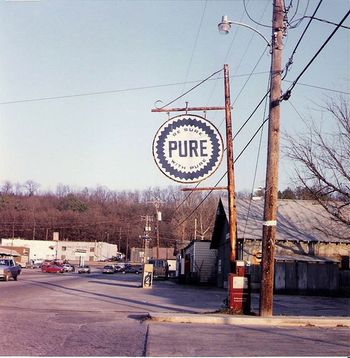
x=103, y=215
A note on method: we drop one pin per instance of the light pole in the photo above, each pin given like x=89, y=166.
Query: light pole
x=271, y=186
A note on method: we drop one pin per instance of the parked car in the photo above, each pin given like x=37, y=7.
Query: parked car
x=36, y=263
x=132, y=269
x=119, y=267
x=9, y=269
x=84, y=269
x=52, y=268
x=68, y=268
x=108, y=269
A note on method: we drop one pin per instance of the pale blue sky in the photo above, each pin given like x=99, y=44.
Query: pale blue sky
x=143, y=51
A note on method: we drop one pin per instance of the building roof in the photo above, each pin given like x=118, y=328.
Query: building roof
x=193, y=242
x=297, y=220
x=302, y=258
x=8, y=252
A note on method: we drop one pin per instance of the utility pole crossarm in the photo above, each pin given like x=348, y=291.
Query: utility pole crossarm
x=188, y=109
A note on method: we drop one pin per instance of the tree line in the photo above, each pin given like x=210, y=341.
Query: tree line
x=103, y=215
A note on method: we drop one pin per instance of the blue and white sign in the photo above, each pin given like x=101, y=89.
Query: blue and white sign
x=188, y=148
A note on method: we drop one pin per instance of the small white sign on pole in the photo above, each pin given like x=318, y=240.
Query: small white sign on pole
x=56, y=236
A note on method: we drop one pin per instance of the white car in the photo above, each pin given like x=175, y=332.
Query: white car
x=68, y=268
x=84, y=269
x=108, y=269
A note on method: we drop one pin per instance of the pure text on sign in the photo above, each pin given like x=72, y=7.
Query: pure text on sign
x=188, y=148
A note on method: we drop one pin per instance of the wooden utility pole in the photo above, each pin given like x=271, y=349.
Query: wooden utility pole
x=230, y=172
x=271, y=186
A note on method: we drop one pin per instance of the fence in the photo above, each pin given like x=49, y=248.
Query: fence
x=297, y=277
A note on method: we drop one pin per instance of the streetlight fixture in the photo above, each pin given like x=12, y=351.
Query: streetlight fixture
x=271, y=186
x=224, y=28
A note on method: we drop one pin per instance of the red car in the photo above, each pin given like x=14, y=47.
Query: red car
x=52, y=268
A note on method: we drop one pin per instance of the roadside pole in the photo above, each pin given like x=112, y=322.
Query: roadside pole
x=271, y=186
x=230, y=172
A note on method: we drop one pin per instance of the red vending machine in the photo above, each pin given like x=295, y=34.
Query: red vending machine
x=239, y=291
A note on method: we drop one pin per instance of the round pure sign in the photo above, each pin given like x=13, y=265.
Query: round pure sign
x=188, y=148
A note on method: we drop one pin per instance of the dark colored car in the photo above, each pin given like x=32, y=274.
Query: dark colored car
x=132, y=269
x=52, y=268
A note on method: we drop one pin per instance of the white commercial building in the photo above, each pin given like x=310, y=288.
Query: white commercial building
x=64, y=250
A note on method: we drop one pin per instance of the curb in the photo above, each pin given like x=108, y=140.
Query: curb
x=250, y=320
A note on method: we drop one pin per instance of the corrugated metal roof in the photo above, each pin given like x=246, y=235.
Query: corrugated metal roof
x=297, y=220
x=302, y=258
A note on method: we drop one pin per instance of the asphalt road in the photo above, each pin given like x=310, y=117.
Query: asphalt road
x=101, y=315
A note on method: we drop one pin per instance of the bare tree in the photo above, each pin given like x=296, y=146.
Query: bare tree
x=31, y=187
x=322, y=160
x=7, y=188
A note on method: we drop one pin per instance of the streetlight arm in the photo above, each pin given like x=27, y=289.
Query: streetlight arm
x=225, y=26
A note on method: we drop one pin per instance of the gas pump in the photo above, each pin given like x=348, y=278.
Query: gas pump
x=147, y=276
x=239, y=290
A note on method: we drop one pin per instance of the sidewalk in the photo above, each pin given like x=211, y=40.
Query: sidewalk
x=288, y=310
x=241, y=320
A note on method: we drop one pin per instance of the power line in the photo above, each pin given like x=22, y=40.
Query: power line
x=239, y=130
x=319, y=87
x=317, y=19
x=256, y=163
x=258, y=23
x=290, y=61
x=191, y=89
x=287, y=94
x=195, y=45
x=150, y=87
x=209, y=193
x=119, y=90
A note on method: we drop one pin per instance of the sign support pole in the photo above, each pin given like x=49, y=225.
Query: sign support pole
x=230, y=172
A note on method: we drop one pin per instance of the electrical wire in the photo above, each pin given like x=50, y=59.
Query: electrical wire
x=256, y=165
x=318, y=19
x=195, y=45
x=319, y=87
x=290, y=61
x=234, y=137
x=246, y=11
x=191, y=89
x=115, y=91
x=290, y=6
x=196, y=186
x=287, y=94
x=209, y=193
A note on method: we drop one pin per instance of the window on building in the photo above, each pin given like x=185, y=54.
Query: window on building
x=92, y=249
x=64, y=248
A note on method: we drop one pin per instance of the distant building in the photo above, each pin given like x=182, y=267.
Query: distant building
x=138, y=254
x=64, y=250
x=197, y=263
